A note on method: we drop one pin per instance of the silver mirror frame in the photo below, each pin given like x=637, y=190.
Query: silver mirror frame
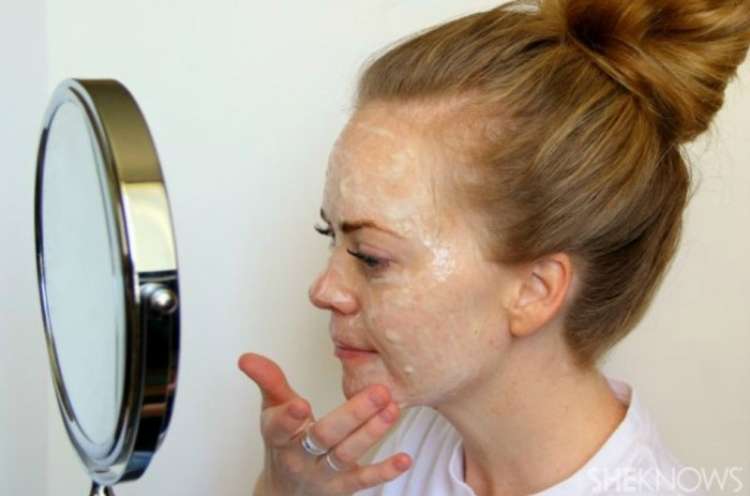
x=125, y=152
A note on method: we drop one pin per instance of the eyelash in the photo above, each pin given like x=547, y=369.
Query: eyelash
x=371, y=262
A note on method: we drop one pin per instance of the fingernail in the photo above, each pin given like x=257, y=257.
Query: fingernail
x=386, y=414
x=377, y=399
x=402, y=463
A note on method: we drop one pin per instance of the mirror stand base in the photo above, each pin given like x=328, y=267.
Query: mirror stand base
x=97, y=490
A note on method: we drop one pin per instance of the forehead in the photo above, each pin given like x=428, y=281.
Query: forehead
x=383, y=153
x=381, y=139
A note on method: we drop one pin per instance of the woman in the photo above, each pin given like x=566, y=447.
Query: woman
x=503, y=205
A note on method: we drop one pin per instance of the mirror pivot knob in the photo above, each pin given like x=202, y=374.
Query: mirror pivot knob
x=163, y=300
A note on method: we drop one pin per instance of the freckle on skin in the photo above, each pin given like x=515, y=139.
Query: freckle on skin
x=383, y=168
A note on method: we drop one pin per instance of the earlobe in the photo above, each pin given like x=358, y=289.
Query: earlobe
x=540, y=294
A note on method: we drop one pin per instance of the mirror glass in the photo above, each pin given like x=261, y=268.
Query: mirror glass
x=83, y=273
x=108, y=281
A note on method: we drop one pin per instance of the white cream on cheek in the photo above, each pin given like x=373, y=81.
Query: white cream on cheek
x=453, y=344
x=427, y=319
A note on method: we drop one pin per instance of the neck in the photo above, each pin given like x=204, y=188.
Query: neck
x=533, y=423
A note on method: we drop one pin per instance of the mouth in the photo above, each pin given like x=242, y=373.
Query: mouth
x=349, y=346
x=348, y=351
x=353, y=353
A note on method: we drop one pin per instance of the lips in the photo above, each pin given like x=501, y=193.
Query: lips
x=344, y=339
x=350, y=346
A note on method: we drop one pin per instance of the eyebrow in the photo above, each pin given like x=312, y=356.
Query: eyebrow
x=350, y=226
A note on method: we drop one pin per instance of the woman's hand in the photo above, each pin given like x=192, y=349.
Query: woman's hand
x=347, y=432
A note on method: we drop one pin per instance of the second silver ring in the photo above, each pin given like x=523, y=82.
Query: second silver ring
x=333, y=464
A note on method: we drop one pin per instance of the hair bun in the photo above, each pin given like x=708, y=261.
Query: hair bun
x=677, y=56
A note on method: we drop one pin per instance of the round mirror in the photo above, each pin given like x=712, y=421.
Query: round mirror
x=107, y=272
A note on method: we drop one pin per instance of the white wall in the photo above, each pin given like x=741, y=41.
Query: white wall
x=689, y=355
x=244, y=100
x=24, y=376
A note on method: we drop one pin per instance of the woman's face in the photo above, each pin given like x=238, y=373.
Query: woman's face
x=425, y=301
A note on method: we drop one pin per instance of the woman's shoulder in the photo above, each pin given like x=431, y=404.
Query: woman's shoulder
x=634, y=459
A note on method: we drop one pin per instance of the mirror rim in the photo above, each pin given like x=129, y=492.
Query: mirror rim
x=125, y=152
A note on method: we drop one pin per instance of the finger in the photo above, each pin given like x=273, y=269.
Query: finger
x=351, y=449
x=374, y=474
x=279, y=424
x=269, y=377
x=334, y=427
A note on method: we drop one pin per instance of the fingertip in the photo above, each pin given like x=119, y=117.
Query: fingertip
x=249, y=362
x=239, y=361
x=383, y=390
x=244, y=361
x=402, y=461
x=298, y=410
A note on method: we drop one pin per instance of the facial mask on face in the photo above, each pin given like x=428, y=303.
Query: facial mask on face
x=427, y=310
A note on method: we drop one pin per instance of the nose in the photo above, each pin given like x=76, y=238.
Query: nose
x=330, y=292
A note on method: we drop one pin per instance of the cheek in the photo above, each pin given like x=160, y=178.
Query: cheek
x=390, y=315
x=396, y=320
x=420, y=332
x=435, y=336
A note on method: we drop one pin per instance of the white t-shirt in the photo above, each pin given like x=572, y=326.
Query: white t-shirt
x=633, y=460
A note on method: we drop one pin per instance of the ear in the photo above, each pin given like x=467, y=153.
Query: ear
x=541, y=293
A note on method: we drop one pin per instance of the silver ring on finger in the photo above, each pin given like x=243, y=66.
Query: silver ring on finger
x=309, y=445
x=332, y=464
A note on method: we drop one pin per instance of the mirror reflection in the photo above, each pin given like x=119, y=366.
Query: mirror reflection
x=84, y=285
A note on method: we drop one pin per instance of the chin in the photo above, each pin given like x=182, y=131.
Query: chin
x=352, y=389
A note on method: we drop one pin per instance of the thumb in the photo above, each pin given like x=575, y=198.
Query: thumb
x=269, y=377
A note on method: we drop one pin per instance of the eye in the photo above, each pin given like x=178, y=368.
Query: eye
x=373, y=263
x=326, y=232
x=370, y=261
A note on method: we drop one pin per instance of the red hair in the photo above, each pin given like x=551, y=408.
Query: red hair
x=572, y=114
